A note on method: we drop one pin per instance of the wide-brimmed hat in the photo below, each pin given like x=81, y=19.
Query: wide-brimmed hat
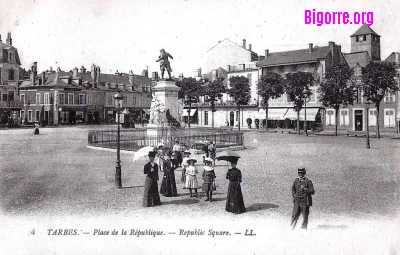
x=187, y=152
x=152, y=154
x=301, y=170
x=208, y=159
x=192, y=159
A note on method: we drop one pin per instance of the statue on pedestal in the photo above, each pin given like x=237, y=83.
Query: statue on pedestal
x=164, y=63
x=157, y=112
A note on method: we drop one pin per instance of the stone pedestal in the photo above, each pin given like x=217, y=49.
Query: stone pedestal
x=167, y=93
x=153, y=135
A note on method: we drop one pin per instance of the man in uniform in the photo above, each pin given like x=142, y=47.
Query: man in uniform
x=302, y=190
x=164, y=63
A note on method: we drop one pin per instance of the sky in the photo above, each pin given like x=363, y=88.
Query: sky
x=127, y=35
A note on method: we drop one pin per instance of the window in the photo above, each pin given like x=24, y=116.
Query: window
x=249, y=77
x=237, y=115
x=70, y=98
x=281, y=69
x=61, y=98
x=372, y=118
x=46, y=98
x=37, y=98
x=22, y=115
x=5, y=97
x=124, y=101
x=330, y=117
x=134, y=101
x=37, y=115
x=88, y=99
x=360, y=95
x=205, y=117
x=11, y=56
x=30, y=116
x=361, y=38
x=389, y=97
x=389, y=118
x=11, y=74
x=110, y=100
x=22, y=98
x=344, y=117
x=10, y=95
x=81, y=99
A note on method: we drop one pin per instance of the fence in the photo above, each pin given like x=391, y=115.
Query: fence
x=132, y=140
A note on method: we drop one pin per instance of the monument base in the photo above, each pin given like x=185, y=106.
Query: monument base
x=153, y=135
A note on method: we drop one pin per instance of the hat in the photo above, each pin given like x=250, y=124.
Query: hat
x=208, y=159
x=160, y=145
x=301, y=170
x=187, y=152
x=192, y=159
x=152, y=154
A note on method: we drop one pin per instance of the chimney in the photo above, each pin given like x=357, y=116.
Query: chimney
x=75, y=72
x=244, y=43
x=93, y=72
x=310, y=47
x=98, y=75
x=199, y=72
x=33, y=73
x=332, y=49
x=145, y=73
x=9, y=39
x=0, y=38
x=266, y=53
x=83, y=69
x=43, y=78
x=214, y=75
x=51, y=69
x=339, y=48
x=249, y=47
x=181, y=77
x=228, y=68
x=116, y=73
x=131, y=77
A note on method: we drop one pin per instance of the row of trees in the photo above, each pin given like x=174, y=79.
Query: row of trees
x=337, y=89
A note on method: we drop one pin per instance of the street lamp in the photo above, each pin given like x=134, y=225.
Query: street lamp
x=305, y=111
x=367, y=123
x=118, y=98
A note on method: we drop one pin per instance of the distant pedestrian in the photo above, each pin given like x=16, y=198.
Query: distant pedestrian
x=177, y=150
x=168, y=185
x=36, y=130
x=151, y=196
x=205, y=149
x=212, y=150
x=208, y=178
x=302, y=191
x=234, y=201
x=191, y=177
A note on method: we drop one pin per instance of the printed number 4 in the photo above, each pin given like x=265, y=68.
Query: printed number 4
x=32, y=232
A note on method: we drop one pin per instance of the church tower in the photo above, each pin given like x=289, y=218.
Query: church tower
x=365, y=39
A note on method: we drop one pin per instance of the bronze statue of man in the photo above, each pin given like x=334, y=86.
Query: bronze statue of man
x=164, y=63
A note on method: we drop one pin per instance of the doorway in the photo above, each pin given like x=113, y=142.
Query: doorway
x=358, y=120
x=232, y=119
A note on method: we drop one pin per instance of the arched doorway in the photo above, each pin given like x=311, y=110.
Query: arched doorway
x=231, y=119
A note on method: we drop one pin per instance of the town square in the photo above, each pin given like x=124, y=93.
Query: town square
x=199, y=131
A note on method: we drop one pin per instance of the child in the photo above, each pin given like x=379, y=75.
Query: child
x=185, y=164
x=191, y=178
x=208, y=178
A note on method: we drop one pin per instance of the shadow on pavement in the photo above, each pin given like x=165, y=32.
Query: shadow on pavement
x=182, y=202
x=332, y=226
x=131, y=187
x=261, y=206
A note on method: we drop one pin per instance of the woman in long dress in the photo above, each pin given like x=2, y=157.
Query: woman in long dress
x=168, y=185
x=234, y=201
x=151, y=196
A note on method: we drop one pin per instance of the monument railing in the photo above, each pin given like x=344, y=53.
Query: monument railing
x=133, y=140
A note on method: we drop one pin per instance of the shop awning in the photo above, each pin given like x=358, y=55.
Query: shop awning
x=310, y=112
x=273, y=113
x=186, y=112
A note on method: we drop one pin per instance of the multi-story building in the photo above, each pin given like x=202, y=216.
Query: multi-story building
x=395, y=59
x=82, y=97
x=10, y=70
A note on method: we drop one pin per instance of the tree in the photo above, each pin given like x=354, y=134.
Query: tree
x=297, y=86
x=338, y=89
x=378, y=78
x=240, y=91
x=213, y=92
x=189, y=92
x=269, y=86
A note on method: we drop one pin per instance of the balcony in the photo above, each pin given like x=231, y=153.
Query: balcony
x=12, y=104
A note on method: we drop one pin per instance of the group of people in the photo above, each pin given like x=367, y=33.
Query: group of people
x=168, y=161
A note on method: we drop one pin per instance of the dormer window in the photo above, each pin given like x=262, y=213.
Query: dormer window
x=376, y=38
x=11, y=56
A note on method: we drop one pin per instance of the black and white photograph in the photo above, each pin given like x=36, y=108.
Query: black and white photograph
x=200, y=127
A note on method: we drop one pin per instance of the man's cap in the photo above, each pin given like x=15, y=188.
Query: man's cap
x=301, y=170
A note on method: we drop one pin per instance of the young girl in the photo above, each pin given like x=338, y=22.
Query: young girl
x=185, y=164
x=191, y=178
x=208, y=178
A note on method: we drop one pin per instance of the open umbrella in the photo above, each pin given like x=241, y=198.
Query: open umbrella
x=142, y=152
x=228, y=156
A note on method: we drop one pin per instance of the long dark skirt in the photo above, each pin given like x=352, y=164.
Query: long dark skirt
x=234, y=201
x=168, y=185
x=151, y=196
x=183, y=177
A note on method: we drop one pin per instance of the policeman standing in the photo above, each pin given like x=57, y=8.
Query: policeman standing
x=302, y=190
